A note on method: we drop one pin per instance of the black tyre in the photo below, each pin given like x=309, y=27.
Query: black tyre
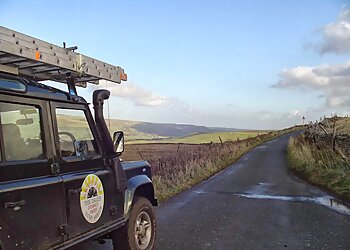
x=139, y=233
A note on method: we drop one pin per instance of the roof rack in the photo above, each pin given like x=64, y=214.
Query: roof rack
x=30, y=57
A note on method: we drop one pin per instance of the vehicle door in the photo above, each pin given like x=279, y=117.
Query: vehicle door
x=31, y=197
x=91, y=197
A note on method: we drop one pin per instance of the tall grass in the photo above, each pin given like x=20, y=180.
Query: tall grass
x=320, y=166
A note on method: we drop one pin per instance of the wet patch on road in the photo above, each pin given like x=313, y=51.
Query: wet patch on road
x=327, y=201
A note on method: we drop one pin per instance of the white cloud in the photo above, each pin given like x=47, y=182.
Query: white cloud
x=332, y=80
x=294, y=114
x=301, y=76
x=336, y=35
x=136, y=103
x=140, y=96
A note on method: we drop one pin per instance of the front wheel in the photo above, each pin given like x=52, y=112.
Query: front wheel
x=139, y=232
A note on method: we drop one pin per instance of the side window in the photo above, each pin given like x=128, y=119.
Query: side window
x=21, y=130
x=75, y=135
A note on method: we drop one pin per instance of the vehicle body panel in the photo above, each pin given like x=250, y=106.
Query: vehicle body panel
x=75, y=169
x=29, y=193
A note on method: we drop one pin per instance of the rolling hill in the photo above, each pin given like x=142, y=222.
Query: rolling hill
x=176, y=130
x=144, y=132
x=135, y=130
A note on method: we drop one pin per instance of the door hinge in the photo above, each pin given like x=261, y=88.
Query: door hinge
x=63, y=229
x=113, y=210
x=55, y=168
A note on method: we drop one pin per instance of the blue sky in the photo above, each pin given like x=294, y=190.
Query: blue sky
x=199, y=62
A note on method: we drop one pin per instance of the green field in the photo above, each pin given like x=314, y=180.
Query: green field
x=204, y=138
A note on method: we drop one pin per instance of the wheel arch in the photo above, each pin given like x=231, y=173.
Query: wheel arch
x=139, y=185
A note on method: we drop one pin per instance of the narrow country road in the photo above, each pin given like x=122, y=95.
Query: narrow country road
x=255, y=203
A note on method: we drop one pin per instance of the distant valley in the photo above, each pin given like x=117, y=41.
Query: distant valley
x=148, y=132
x=135, y=130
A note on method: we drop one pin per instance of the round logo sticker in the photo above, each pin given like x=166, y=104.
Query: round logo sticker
x=92, y=198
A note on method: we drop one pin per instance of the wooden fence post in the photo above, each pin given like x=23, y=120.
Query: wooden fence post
x=220, y=140
x=333, y=135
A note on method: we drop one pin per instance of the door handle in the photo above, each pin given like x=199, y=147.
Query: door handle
x=55, y=168
x=15, y=204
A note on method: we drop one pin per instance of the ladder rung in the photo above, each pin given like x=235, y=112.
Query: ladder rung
x=45, y=70
x=4, y=55
x=31, y=66
x=15, y=61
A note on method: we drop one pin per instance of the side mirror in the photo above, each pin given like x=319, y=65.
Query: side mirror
x=118, y=142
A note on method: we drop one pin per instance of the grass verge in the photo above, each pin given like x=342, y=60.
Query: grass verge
x=321, y=167
x=177, y=173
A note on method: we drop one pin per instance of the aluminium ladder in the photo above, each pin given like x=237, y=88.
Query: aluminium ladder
x=30, y=57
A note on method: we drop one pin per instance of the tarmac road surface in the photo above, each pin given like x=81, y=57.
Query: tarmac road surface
x=255, y=203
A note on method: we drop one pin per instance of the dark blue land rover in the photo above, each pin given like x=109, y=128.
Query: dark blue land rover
x=61, y=178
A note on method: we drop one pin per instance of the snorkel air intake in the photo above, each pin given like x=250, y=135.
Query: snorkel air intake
x=98, y=100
